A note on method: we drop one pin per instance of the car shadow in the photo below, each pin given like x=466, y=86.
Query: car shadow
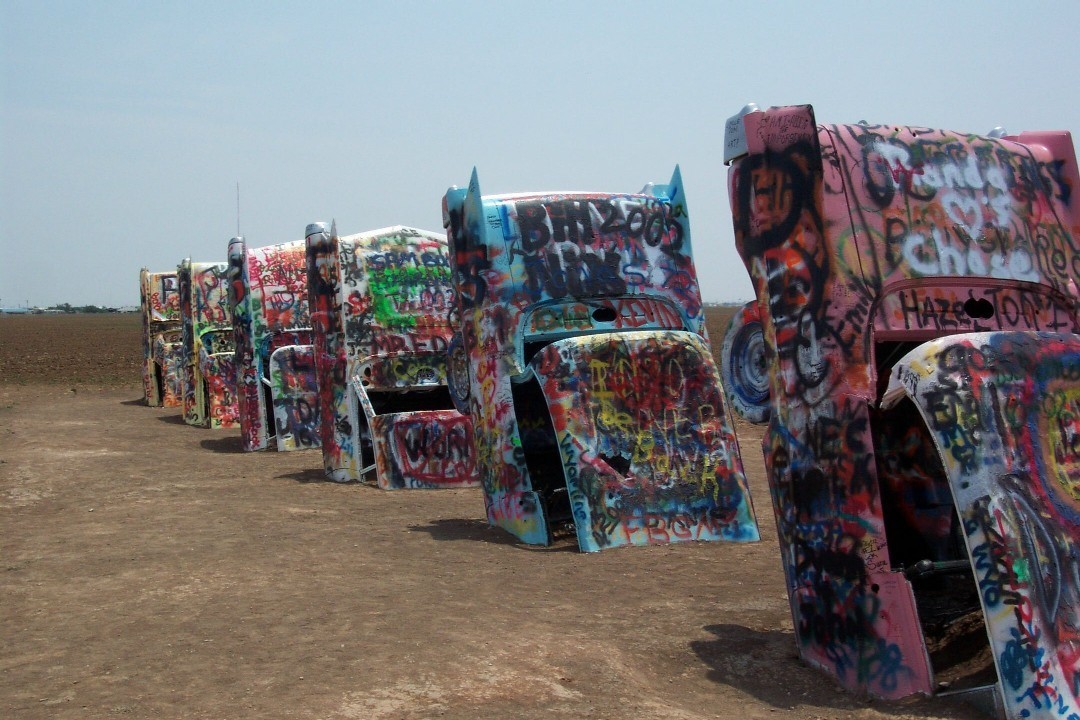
x=230, y=444
x=311, y=475
x=136, y=401
x=452, y=529
x=174, y=419
x=766, y=664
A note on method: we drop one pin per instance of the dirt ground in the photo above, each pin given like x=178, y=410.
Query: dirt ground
x=151, y=569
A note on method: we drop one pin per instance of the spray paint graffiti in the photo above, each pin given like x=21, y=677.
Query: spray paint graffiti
x=863, y=241
x=161, y=339
x=295, y=393
x=568, y=302
x=1004, y=411
x=209, y=375
x=275, y=371
x=381, y=303
x=428, y=449
x=744, y=365
x=643, y=439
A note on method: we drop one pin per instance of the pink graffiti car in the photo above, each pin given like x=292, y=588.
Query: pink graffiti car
x=913, y=345
x=277, y=394
x=381, y=303
x=163, y=384
x=582, y=361
x=209, y=376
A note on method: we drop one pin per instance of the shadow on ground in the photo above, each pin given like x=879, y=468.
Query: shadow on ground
x=765, y=664
x=451, y=529
x=172, y=419
x=231, y=444
x=136, y=401
x=311, y=475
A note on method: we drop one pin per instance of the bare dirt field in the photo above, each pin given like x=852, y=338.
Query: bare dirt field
x=153, y=570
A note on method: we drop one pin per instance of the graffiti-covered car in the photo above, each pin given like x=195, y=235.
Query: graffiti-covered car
x=916, y=313
x=582, y=360
x=277, y=396
x=1004, y=413
x=209, y=376
x=163, y=384
x=380, y=305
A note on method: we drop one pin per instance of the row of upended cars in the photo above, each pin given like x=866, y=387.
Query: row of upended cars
x=913, y=347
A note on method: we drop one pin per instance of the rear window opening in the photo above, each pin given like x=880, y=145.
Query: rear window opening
x=925, y=540
x=434, y=398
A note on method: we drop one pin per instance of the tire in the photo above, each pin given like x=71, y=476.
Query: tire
x=744, y=366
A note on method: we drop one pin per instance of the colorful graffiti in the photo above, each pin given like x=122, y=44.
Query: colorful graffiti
x=1004, y=411
x=275, y=373
x=744, y=365
x=863, y=241
x=338, y=431
x=429, y=449
x=161, y=339
x=570, y=296
x=295, y=393
x=209, y=375
x=381, y=303
x=645, y=446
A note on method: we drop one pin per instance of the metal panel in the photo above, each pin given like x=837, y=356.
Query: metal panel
x=1004, y=411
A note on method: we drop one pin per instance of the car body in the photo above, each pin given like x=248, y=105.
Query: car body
x=381, y=304
x=582, y=359
x=277, y=393
x=209, y=375
x=1003, y=410
x=864, y=242
x=162, y=344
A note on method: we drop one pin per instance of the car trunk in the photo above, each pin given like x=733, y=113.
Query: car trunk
x=978, y=453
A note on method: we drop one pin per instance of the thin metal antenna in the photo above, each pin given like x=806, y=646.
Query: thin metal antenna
x=237, y=208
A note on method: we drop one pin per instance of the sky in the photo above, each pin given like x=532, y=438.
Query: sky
x=125, y=128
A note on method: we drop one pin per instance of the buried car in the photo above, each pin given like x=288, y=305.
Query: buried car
x=163, y=384
x=208, y=374
x=380, y=307
x=277, y=395
x=582, y=361
x=1003, y=410
x=907, y=519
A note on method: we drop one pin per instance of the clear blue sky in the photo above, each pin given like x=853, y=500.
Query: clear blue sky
x=124, y=127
